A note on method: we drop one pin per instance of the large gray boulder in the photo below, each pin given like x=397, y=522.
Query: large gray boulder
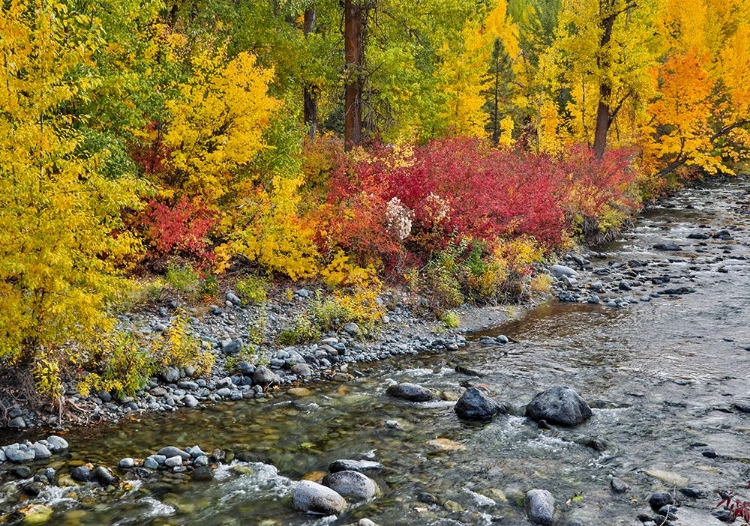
x=352, y=484
x=411, y=392
x=540, y=507
x=558, y=271
x=559, y=405
x=475, y=405
x=312, y=497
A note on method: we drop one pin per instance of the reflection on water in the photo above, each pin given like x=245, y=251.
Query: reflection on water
x=662, y=378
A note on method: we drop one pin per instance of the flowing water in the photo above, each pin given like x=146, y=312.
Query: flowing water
x=662, y=377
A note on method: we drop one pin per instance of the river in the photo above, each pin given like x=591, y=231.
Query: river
x=662, y=377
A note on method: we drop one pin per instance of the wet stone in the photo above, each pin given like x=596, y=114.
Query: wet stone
x=315, y=498
x=202, y=473
x=411, y=392
x=559, y=405
x=619, y=486
x=540, y=507
x=351, y=484
x=172, y=451
x=81, y=474
x=475, y=405
x=104, y=476
x=362, y=466
x=659, y=499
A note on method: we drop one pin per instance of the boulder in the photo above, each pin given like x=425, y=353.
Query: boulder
x=475, y=405
x=170, y=374
x=351, y=484
x=81, y=474
x=540, y=507
x=302, y=369
x=56, y=444
x=660, y=499
x=104, y=476
x=19, y=453
x=558, y=271
x=41, y=452
x=559, y=405
x=312, y=497
x=264, y=376
x=411, y=392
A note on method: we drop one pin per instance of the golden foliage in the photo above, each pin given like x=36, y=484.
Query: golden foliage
x=61, y=237
x=217, y=122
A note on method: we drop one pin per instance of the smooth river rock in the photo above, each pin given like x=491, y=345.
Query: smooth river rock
x=558, y=271
x=411, y=392
x=351, y=484
x=559, y=405
x=475, y=405
x=312, y=497
x=540, y=507
x=355, y=465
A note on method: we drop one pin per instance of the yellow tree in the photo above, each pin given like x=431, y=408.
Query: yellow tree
x=463, y=71
x=217, y=121
x=701, y=114
x=60, y=231
x=600, y=61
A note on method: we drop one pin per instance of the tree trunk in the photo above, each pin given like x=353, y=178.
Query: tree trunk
x=310, y=93
x=603, y=112
x=353, y=21
x=603, y=120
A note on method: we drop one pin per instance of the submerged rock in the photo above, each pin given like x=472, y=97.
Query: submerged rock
x=475, y=405
x=411, y=392
x=559, y=405
x=312, y=497
x=669, y=247
x=352, y=484
x=540, y=507
x=355, y=465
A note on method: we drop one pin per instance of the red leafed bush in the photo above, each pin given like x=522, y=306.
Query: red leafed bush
x=457, y=188
x=180, y=228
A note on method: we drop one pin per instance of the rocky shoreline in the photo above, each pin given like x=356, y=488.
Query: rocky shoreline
x=588, y=277
x=224, y=330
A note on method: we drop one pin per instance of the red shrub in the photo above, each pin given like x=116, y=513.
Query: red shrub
x=457, y=187
x=179, y=228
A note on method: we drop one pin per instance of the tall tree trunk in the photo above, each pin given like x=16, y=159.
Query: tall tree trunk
x=603, y=112
x=353, y=21
x=310, y=93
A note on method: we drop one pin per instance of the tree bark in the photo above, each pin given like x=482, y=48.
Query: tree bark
x=603, y=113
x=353, y=48
x=310, y=93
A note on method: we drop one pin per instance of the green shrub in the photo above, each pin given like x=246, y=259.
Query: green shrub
x=303, y=331
x=182, y=279
x=450, y=320
x=121, y=364
x=252, y=290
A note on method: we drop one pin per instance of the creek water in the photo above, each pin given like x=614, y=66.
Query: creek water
x=662, y=378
